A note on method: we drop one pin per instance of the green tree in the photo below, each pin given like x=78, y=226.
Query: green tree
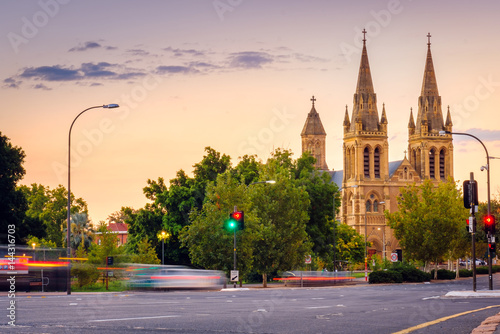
x=349, y=245
x=12, y=202
x=171, y=206
x=429, y=219
x=210, y=246
x=324, y=203
x=40, y=243
x=108, y=247
x=145, y=253
x=49, y=207
x=81, y=231
x=280, y=213
x=247, y=170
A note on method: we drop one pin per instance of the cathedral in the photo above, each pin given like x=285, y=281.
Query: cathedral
x=369, y=182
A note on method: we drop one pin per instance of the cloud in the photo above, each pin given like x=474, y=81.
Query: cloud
x=175, y=70
x=85, y=47
x=86, y=71
x=185, y=52
x=41, y=86
x=11, y=83
x=97, y=70
x=138, y=52
x=249, y=59
x=51, y=73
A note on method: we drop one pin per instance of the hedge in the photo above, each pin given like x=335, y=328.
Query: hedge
x=385, y=276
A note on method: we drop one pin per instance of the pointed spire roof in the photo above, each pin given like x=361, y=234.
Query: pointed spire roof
x=313, y=125
x=364, y=110
x=429, y=84
x=411, y=123
x=347, y=122
x=383, y=118
x=448, y=119
x=429, y=103
x=365, y=84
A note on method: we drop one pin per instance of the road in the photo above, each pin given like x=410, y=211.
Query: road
x=343, y=309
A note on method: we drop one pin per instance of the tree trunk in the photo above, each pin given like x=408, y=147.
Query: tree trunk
x=436, y=270
x=264, y=280
x=458, y=269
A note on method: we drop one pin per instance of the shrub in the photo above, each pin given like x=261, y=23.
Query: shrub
x=444, y=274
x=385, y=276
x=482, y=270
x=465, y=273
x=411, y=274
x=86, y=273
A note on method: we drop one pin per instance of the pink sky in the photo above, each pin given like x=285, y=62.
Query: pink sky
x=234, y=75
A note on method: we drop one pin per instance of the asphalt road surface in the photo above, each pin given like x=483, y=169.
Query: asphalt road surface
x=341, y=309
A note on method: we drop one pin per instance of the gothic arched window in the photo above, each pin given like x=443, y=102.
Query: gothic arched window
x=432, y=164
x=366, y=162
x=441, y=164
x=376, y=163
x=368, y=206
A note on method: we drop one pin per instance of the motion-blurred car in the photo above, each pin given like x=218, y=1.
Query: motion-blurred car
x=173, y=277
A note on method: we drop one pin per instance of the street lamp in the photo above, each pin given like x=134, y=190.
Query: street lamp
x=260, y=182
x=163, y=235
x=491, y=238
x=68, y=282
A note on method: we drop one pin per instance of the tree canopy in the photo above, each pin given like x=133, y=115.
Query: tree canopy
x=13, y=204
x=430, y=218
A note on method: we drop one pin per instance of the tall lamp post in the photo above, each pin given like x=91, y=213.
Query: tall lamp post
x=68, y=228
x=442, y=133
x=163, y=235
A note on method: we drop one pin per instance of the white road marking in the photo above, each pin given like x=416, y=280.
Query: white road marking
x=314, y=307
x=138, y=318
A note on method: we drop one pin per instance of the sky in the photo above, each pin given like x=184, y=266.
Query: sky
x=235, y=75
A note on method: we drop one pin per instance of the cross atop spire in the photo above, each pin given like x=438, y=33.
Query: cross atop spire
x=429, y=39
x=364, y=35
x=313, y=99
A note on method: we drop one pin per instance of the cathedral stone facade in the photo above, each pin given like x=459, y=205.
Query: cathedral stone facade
x=369, y=182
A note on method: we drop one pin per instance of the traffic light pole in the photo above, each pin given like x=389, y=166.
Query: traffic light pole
x=491, y=238
x=472, y=211
x=234, y=249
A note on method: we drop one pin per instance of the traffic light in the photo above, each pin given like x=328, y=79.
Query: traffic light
x=239, y=217
x=235, y=222
x=492, y=247
x=230, y=224
x=470, y=194
x=489, y=224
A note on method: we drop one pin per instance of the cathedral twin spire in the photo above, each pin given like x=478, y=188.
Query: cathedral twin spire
x=365, y=113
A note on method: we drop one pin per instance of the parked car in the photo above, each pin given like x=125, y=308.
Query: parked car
x=479, y=262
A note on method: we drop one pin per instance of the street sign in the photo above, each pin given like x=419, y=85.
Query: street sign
x=394, y=257
x=308, y=259
x=234, y=276
x=471, y=224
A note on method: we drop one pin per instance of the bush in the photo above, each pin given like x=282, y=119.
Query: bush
x=385, y=276
x=444, y=274
x=482, y=270
x=465, y=273
x=86, y=273
x=411, y=274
